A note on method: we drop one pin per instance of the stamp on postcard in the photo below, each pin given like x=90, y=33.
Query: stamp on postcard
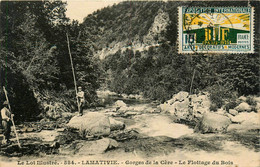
x=216, y=30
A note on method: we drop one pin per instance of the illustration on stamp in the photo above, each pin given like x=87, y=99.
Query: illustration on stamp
x=216, y=30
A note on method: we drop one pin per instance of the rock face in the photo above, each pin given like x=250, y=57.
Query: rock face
x=212, y=123
x=116, y=125
x=160, y=24
x=92, y=123
x=243, y=107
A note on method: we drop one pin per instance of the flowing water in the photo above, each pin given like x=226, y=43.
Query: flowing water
x=160, y=140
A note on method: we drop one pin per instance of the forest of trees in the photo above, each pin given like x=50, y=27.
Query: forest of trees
x=35, y=66
x=35, y=63
x=160, y=71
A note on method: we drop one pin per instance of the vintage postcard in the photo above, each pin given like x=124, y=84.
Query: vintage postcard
x=122, y=83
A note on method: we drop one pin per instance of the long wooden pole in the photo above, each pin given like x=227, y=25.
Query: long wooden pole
x=12, y=117
x=192, y=81
x=73, y=72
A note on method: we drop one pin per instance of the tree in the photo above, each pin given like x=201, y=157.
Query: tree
x=35, y=58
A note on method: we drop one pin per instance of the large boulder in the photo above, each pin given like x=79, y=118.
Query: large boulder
x=212, y=123
x=246, y=117
x=116, y=125
x=91, y=123
x=242, y=127
x=243, y=107
x=96, y=147
x=245, y=122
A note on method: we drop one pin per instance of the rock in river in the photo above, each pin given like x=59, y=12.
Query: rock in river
x=243, y=107
x=233, y=112
x=96, y=147
x=92, y=123
x=251, y=117
x=212, y=123
x=116, y=125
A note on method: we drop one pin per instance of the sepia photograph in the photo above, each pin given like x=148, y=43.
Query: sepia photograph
x=126, y=83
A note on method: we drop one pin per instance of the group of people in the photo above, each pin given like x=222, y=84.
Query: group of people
x=7, y=116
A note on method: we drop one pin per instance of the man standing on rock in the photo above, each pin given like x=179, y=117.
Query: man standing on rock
x=6, y=122
x=81, y=96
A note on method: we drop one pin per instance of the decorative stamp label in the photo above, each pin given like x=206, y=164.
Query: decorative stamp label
x=216, y=30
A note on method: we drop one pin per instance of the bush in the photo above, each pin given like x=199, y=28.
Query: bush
x=158, y=93
x=251, y=101
x=219, y=95
x=213, y=107
x=231, y=105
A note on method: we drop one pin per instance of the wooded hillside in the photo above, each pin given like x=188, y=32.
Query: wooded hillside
x=35, y=63
x=128, y=48
x=140, y=55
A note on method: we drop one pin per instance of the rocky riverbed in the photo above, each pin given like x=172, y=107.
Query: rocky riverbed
x=133, y=130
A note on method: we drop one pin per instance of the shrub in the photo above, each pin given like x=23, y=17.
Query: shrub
x=251, y=101
x=220, y=94
x=213, y=107
x=231, y=104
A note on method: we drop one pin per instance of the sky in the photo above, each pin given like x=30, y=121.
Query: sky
x=78, y=9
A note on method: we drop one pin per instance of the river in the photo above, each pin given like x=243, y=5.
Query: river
x=157, y=138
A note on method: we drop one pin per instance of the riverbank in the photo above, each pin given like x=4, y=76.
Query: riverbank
x=138, y=131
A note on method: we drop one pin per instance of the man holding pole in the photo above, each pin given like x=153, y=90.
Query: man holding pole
x=6, y=122
x=81, y=97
